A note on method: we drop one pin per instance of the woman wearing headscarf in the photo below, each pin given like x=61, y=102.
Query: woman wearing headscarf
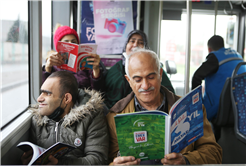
x=117, y=86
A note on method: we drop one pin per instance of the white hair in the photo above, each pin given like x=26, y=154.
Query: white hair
x=142, y=50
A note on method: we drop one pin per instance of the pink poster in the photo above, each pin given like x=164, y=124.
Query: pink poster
x=113, y=21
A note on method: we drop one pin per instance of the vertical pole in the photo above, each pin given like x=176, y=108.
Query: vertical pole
x=138, y=14
x=71, y=14
x=188, y=42
x=35, y=36
x=215, y=15
x=79, y=9
x=159, y=27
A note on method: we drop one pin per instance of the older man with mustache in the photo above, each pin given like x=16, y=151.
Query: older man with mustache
x=144, y=76
x=117, y=87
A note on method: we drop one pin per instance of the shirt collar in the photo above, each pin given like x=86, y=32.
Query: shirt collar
x=138, y=106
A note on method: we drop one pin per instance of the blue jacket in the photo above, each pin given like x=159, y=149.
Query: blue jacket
x=214, y=82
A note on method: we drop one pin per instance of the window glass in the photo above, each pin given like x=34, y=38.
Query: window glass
x=46, y=28
x=14, y=85
x=173, y=40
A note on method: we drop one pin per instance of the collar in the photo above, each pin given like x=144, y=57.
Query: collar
x=138, y=106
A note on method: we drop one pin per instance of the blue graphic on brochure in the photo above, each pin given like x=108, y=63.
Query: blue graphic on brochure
x=187, y=126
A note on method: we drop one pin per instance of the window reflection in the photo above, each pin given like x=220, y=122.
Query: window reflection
x=173, y=40
x=14, y=59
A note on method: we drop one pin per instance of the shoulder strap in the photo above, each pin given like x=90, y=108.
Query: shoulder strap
x=229, y=59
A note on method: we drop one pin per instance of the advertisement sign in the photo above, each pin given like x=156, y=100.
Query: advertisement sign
x=87, y=34
x=113, y=20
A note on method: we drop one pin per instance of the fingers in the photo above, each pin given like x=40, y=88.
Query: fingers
x=94, y=60
x=173, y=156
x=126, y=160
x=53, y=160
x=26, y=157
x=173, y=159
x=55, y=59
x=49, y=53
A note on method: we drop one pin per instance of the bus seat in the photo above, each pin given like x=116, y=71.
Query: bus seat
x=225, y=117
x=171, y=67
x=238, y=96
x=230, y=123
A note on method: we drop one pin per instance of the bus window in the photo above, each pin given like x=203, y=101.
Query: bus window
x=173, y=40
x=46, y=28
x=14, y=59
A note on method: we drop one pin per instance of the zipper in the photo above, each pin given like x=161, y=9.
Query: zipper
x=56, y=131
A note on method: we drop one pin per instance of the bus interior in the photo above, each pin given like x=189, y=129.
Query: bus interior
x=177, y=31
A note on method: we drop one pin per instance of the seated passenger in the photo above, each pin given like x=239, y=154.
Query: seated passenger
x=215, y=74
x=92, y=79
x=149, y=94
x=70, y=115
x=117, y=86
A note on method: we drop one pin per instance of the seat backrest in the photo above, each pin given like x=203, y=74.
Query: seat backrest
x=238, y=98
x=230, y=123
x=225, y=117
x=170, y=67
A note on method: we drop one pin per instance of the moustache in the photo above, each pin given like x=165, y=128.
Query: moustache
x=135, y=48
x=142, y=90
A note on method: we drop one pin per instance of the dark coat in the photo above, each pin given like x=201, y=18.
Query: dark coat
x=85, y=122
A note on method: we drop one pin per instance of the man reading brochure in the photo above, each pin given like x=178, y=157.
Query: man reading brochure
x=144, y=76
x=70, y=115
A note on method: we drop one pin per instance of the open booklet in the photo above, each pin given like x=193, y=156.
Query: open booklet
x=152, y=134
x=40, y=155
x=75, y=55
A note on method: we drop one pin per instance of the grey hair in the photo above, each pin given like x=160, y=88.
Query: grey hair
x=142, y=50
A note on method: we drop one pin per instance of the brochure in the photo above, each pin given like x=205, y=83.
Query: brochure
x=40, y=155
x=75, y=55
x=150, y=135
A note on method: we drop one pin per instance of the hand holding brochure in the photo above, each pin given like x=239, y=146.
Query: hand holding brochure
x=75, y=55
x=40, y=155
x=150, y=135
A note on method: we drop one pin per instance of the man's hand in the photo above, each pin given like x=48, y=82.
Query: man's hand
x=53, y=160
x=126, y=160
x=26, y=157
x=173, y=159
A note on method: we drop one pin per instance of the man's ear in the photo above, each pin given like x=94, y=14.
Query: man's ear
x=68, y=98
x=209, y=49
x=127, y=78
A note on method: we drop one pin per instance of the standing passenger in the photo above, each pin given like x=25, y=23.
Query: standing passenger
x=214, y=73
x=117, y=86
x=92, y=79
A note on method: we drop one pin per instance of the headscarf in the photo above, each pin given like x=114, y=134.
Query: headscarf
x=139, y=32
